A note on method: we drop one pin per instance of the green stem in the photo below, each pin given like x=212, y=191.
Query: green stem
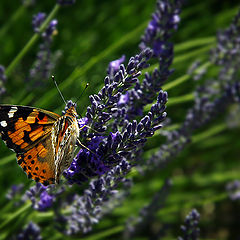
x=181, y=99
x=185, y=77
x=31, y=42
x=16, y=214
x=192, y=54
x=106, y=233
x=198, y=137
x=209, y=133
x=176, y=82
x=7, y=159
x=194, y=43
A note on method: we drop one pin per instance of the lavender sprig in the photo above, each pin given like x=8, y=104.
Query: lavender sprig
x=164, y=21
x=32, y=231
x=233, y=189
x=46, y=60
x=3, y=79
x=226, y=54
x=107, y=151
x=190, y=228
x=157, y=37
x=40, y=197
x=211, y=99
x=104, y=104
x=113, y=138
x=87, y=209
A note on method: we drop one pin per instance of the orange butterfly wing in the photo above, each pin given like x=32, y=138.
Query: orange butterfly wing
x=27, y=131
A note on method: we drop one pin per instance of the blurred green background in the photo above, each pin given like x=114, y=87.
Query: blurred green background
x=90, y=35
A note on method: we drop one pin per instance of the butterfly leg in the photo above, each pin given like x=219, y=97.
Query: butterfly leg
x=88, y=128
x=79, y=142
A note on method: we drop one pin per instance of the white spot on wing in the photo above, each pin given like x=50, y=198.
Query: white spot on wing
x=10, y=115
x=12, y=111
x=3, y=123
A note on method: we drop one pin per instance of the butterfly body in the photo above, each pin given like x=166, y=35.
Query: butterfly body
x=65, y=133
x=44, y=142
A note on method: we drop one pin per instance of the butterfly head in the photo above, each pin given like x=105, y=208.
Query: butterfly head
x=70, y=108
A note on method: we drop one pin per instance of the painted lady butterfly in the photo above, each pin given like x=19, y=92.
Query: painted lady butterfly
x=43, y=141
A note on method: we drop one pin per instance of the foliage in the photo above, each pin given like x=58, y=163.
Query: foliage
x=146, y=170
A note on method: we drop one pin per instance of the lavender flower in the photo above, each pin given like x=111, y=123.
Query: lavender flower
x=164, y=20
x=3, y=79
x=190, y=228
x=87, y=209
x=107, y=151
x=113, y=138
x=14, y=190
x=211, y=99
x=226, y=54
x=46, y=60
x=157, y=37
x=37, y=21
x=50, y=30
x=32, y=231
x=114, y=66
x=233, y=189
x=41, y=199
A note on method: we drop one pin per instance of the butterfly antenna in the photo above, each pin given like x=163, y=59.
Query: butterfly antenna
x=53, y=78
x=82, y=92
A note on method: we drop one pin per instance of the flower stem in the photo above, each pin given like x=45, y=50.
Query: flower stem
x=16, y=214
x=181, y=99
x=192, y=54
x=194, y=43
x=106, y=233
x=184, y=78
x=31, y=42
x=209, y=133
x=7, y=159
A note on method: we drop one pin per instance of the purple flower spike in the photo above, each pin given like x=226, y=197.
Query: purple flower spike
x=190, y=228
x=2, y=74
x=45, y=201
x=114, y=66
x=3, y=79
x=164, y=20
x=83, y=122
x=15, y=190
x=32, y=231
x=233, y=189
x=37, y=21
x=41, y=199
x=50, y=29
x=123, y=99
x=45, y=60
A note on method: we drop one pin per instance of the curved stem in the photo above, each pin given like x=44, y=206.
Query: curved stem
x=209, y=133
x=16, y=214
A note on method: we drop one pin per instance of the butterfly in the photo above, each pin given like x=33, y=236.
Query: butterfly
x=43, y=141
